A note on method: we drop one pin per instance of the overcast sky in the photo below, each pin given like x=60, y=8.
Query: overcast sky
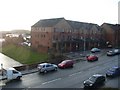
x=22, y=14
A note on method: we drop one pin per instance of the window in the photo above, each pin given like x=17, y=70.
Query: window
x=54, y=29
x=43, y=66
x=41, y=36
x=14, y=71
x=48, y=65
x=68, y=37
x=81, y=37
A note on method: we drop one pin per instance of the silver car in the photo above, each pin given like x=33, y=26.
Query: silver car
x=93, y=50
x=46, y=67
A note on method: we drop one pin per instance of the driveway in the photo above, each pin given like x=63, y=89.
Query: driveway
x=8, y=62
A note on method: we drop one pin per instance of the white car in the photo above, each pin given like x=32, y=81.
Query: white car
x=113, y=52
x=45, y=67
x=93, y=50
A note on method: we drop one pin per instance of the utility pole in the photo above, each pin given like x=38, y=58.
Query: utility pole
x=84, y=41
x=84, y=44
x=2, y=68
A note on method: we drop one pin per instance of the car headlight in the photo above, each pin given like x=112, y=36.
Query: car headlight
x=110, y=74
x=91, y=84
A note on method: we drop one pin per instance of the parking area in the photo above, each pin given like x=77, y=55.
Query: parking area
x=83, y=54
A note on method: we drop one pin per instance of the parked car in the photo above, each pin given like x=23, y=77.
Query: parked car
x=113, y=52
x=45, y=67
x=66, y=64
x=113, y=72
x=94, y=81
x=93, y=50
x=109, y=46
x=92, y=57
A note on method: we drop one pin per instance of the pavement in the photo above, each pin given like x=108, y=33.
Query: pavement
x=25, y=72
x=8, y=62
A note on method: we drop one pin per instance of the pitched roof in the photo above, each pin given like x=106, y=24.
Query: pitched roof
x=47, y=22
x=81, y=25
x=113, y=26
x=74, y=24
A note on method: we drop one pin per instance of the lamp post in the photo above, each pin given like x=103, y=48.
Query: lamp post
x=84, y=44
x=76, y=47
x=2, y=68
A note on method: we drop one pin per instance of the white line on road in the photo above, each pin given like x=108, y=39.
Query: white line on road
x=51, y=81
x=93, y=68
x=74, y=74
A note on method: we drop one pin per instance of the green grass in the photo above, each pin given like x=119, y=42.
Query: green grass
x=23, y=54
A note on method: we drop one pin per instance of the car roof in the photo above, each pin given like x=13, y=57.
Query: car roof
x=11, y=69
x=94, y=48
x=115, y=67
x=44, y=63
x=68, y=60
x=97, y=75
x=92, y=55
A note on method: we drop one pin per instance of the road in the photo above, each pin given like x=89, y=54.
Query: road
x=69, y=78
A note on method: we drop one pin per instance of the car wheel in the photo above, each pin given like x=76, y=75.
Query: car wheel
x=96, y=59
x=45, y=71
x=71, y=66
x=107, y=75
x=55, y=69
x=64, y=67
x=18, y=78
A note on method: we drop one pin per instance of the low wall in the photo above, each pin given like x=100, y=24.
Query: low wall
x=25, y=67
x=33, y=66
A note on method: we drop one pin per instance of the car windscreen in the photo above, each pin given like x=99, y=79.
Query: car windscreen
x=63, y=62
x=112, y=69
x=41, y=65
x=93, y=78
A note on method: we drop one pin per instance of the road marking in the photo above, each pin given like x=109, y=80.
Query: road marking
x=74, y=74
x=51, y=81
x=90, y=69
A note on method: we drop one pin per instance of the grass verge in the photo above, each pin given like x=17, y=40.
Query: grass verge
x=23, y=55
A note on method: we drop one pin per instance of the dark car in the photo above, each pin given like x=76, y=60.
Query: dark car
x=92, y=58
x=95, y=81
x=113, y=52
x=66, y=64
x=113, y=72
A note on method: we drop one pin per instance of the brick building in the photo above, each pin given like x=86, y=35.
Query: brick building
x=61, y=35
x=111, y=33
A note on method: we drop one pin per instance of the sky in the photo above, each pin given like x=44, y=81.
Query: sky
x=22, y=14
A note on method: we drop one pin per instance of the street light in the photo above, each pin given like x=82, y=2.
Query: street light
x=76, y=47
x=2, y=68
x=84, y=41
x=84, y=44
